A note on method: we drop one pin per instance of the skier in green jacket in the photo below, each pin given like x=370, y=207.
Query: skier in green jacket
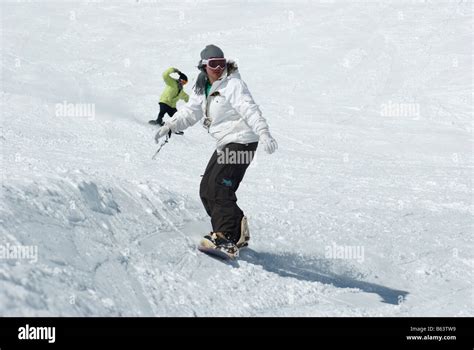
x=173, y=92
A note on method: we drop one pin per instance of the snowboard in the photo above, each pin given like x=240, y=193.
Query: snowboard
x=216, y=252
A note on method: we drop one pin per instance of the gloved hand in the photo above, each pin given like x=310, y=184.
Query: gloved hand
x=269, y=143
x=165, y=129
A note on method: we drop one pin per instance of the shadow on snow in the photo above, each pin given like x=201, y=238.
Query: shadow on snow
x=318, y=270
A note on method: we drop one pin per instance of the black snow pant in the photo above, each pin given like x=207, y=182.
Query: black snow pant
x=164, y=108
x=219, y=184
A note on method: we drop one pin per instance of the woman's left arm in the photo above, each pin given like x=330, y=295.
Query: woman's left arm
x=242, y=101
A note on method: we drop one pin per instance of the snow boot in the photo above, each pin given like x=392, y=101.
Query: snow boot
x=244, y=234
x=219, y=241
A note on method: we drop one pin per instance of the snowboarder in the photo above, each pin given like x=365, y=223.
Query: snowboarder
x=221, y=98
x=173, y=92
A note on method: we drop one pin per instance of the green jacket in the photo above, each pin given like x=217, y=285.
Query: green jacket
x=173, y=90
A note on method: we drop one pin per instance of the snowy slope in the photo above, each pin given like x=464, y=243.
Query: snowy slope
x=371, y=104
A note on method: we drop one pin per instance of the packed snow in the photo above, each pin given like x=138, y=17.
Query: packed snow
x=365, y=209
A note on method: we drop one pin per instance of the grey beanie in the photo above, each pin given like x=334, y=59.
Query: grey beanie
x=211, y=51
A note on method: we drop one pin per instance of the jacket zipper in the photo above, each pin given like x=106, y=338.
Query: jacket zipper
x=208, y=101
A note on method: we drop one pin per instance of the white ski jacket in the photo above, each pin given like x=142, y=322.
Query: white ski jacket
x=229, y=111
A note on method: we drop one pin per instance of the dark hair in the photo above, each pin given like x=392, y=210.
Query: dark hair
x=202, y=78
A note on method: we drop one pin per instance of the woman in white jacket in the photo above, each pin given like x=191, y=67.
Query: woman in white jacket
x=222, y=100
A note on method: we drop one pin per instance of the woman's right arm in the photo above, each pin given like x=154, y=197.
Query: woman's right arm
x=188, y=115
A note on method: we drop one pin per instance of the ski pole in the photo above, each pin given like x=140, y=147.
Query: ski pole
x=161, y=146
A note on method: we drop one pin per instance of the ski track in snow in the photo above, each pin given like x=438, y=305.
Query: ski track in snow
x=116, y=232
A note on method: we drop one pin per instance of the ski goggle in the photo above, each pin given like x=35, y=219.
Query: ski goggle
x=215, y=63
